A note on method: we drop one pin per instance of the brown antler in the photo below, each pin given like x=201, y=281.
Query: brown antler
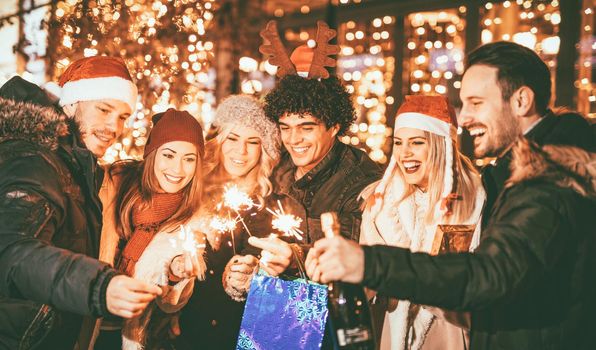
x=322, y=51
x=276, y=50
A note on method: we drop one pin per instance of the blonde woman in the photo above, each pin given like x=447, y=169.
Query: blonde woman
x=427, y=183
x=242, y=150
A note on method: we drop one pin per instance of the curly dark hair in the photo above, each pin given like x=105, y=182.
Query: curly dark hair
x=325, y=99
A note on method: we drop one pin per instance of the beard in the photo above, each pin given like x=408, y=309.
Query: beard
x=502, y=132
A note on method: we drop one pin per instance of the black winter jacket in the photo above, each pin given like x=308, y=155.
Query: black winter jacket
x=567, y=129
x=211, y=319
x=50, y=221
x=332, y=185
x=531, y=282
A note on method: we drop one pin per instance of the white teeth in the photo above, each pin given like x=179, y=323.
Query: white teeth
x=411, y=164
x=477, y=131
x=300, y=149
x=239, y=162
x=174, y=179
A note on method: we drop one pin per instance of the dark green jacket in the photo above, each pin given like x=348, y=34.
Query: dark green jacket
x=50, y=221
x=531, y=283
x=333, y=185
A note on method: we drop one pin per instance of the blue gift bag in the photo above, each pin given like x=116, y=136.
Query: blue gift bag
x=283, y=314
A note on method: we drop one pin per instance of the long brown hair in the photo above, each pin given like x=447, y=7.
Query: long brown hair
x=138, y=184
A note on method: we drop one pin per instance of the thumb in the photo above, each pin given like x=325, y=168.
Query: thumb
x=143, y=287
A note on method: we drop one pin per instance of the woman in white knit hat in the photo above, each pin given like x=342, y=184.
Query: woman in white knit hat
x=428, y=183
x=242, y=149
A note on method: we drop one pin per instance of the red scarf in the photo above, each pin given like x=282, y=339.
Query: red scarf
x=146, y=223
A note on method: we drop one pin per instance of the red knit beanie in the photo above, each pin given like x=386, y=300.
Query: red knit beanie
x=174, y=125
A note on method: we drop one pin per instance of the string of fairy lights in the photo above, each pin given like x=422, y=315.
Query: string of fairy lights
x=164, y=43
x=169, y=45
x=434, y=57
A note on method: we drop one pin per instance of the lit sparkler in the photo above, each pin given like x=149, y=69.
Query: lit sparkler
x=222, y=225
x=236, y=199
x=188, y=241
x=287, y=223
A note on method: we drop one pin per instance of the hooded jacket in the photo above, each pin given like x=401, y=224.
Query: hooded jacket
x=50, y=221
x=530, y=283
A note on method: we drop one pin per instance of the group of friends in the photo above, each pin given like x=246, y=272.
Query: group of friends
x=89, y=258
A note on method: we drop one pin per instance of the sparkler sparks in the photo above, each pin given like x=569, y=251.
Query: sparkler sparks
x=188, y=241
x=222, y=225
x=236, y=199
x=287, y=223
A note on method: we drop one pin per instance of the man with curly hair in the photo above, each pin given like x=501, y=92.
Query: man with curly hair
x=317, y=172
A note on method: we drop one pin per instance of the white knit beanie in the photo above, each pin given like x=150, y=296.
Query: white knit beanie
x=247, y=111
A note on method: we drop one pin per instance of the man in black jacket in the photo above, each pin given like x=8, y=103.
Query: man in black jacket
x=530, y=283
x=317, y=173
x=50, y=213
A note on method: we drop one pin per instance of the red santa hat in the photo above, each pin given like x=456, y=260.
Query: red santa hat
x=97, y=78
x=433, y=114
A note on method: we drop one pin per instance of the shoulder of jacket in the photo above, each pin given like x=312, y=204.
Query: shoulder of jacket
x=358, y=164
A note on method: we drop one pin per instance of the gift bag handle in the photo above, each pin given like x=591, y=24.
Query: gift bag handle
x=299, y=262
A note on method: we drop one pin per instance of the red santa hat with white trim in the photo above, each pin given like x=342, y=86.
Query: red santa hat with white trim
x=433, y=114
x=97, y=78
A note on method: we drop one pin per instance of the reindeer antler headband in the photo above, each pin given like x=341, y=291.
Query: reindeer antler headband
x=320, y=53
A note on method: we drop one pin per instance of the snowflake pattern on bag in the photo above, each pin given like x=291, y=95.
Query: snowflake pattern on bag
x=244, y=342
x=282, y=314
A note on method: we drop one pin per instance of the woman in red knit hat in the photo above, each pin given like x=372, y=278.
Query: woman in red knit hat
x=146, y=202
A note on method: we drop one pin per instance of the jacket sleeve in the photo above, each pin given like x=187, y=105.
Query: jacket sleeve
x=524, y=241
x=30, y=267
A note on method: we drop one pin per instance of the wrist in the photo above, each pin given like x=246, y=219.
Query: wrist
x=99, y=294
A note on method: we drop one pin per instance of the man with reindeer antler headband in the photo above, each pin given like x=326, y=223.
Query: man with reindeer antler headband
x=317, y=172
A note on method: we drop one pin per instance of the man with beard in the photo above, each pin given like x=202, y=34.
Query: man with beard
x=530, y=283
x=50, y=213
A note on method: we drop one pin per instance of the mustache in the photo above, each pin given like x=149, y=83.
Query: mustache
x=473, y=125
x=99, y=132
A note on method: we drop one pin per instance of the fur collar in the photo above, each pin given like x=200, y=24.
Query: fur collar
x=33, y=123
x=566, y=166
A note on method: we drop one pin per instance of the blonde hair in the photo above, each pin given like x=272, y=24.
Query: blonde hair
x=465, y=184
x=137, y=186
x=215, y=174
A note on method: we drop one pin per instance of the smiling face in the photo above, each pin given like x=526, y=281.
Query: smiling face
x=307, y=139
x=101, y=122
x=489, y=119
x=410, y=149
x=175, y=165
x=241, y=151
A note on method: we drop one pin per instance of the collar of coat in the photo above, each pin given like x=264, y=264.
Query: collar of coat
x=42, y=125
x=284, y=177
x=566, y=166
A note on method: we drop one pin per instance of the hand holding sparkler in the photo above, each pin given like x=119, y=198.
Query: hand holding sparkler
x=276, y=255
x=238, y=274
x=187, y=264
